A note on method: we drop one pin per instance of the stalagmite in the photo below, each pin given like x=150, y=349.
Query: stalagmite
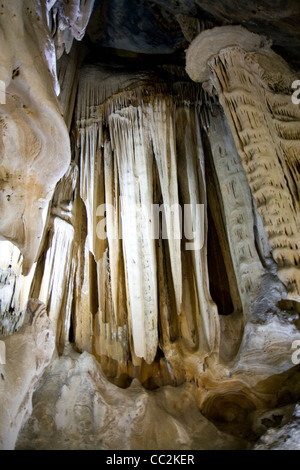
x=102, y=416
x=163, y=137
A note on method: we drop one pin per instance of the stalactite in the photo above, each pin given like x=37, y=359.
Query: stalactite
x=135, y=156
x=238, y=212
x=14, y=289
x=68, y=73
x=58, y=278
x=67, y=20
x=272, y=183
x=192, y=183
x=131, y=145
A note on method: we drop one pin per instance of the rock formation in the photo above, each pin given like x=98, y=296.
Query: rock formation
x=84, y=411
x=28, y=352
x=254, y=86
x=154, y=216
x=32, y=129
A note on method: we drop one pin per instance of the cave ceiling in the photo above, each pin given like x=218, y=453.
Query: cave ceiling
x=131, y=28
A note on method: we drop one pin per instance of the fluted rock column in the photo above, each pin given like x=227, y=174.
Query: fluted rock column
x=254, y=86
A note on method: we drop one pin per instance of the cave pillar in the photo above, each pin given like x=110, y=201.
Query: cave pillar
x=254, y=87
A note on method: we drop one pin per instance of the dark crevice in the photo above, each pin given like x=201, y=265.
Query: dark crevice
x=218, y=279
x=94, y=303
x=222, y=280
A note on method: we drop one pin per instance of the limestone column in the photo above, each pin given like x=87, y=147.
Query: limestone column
x=254, y=86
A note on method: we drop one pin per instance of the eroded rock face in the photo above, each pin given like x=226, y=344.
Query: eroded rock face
x=275, y=20
x=79, y=409
x=284, y=438
x=34, y=142
x=27, y=354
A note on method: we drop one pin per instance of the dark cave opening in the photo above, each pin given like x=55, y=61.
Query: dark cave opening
x=218, y=279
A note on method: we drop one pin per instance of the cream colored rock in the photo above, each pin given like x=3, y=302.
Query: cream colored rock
x=211, y=41
x=285, y=437
x=58, y=268
x=75, y=407
x=34, y=141
x=115, y=296
x=68, y=20
x=35, y=149
x=138, y=160
x=254, y=87
x=216, y=323
x=28, y=352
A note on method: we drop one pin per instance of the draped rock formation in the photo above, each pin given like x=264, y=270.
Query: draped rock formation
x=146, y=295
x=151, y=220
x=35, y=147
